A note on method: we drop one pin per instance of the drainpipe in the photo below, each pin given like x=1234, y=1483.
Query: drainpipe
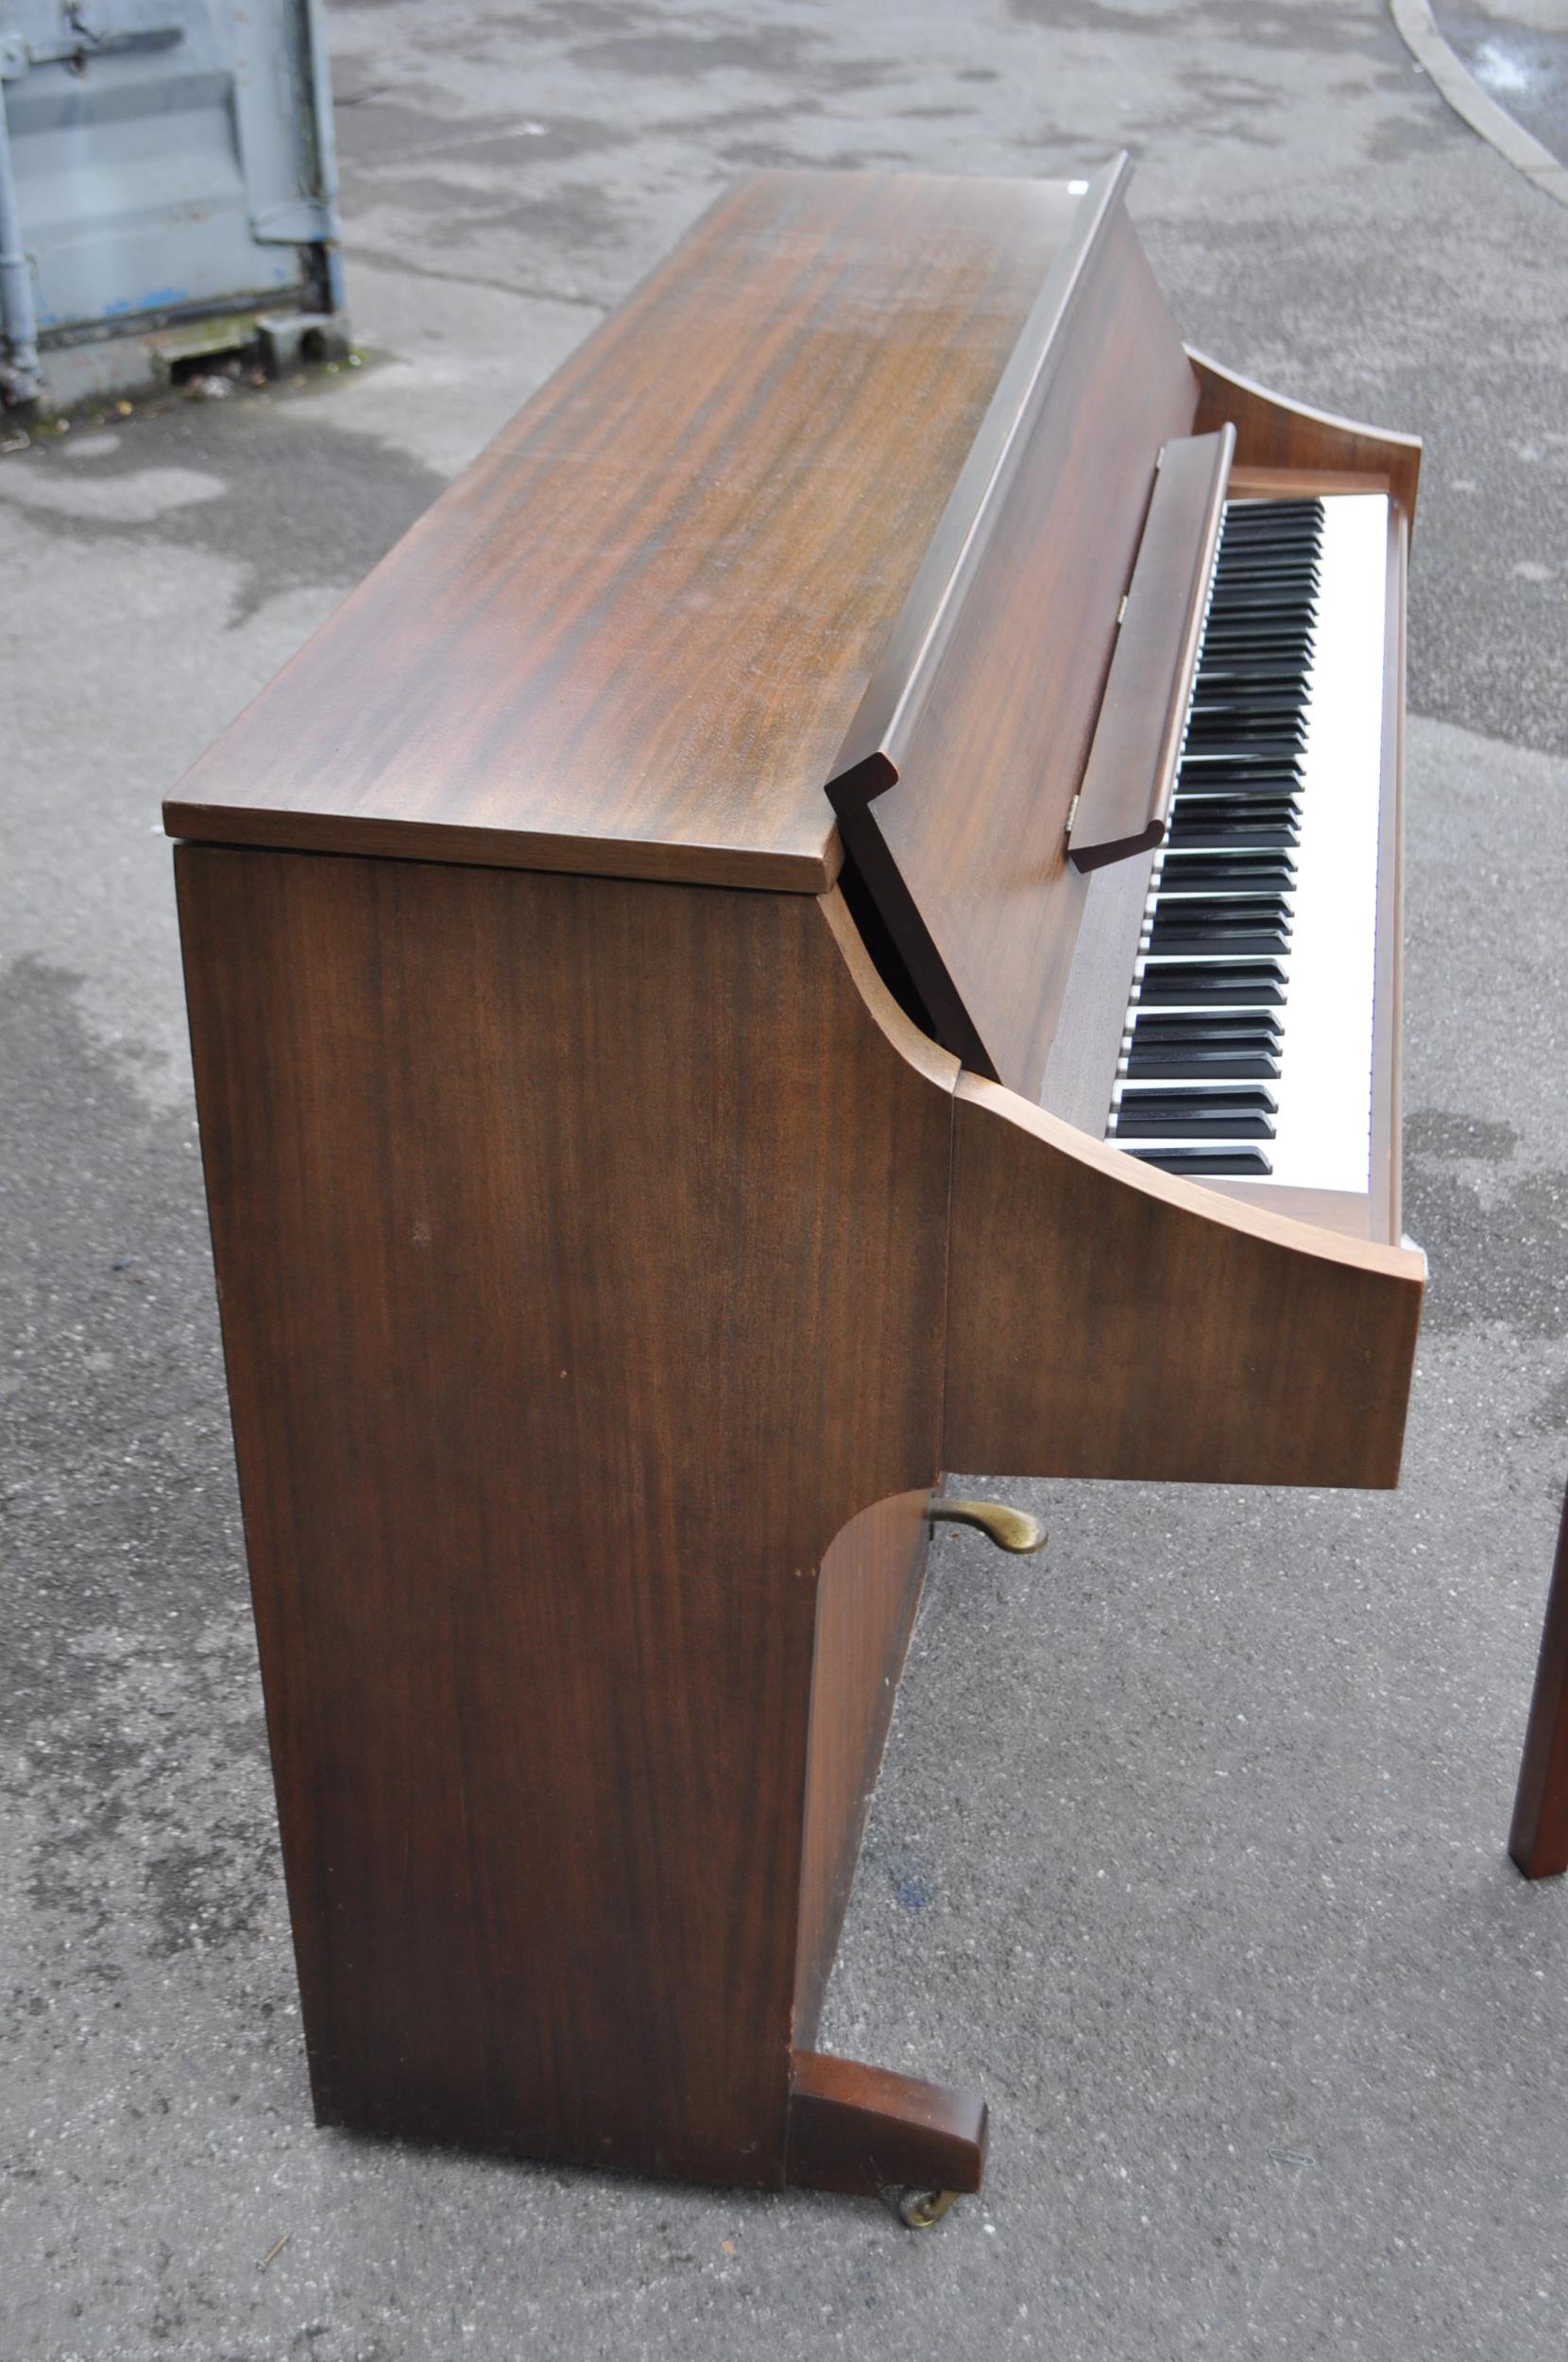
x=326, y=257
x=18, y=318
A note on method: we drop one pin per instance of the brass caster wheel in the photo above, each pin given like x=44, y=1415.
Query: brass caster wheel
x=918, y=2209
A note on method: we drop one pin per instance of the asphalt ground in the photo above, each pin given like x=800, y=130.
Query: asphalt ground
x=1189, y=1848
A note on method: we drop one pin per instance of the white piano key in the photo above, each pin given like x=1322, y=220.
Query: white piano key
x=1322, y=1129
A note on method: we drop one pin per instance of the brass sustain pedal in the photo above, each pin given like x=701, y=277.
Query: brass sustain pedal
x=1009, y=1529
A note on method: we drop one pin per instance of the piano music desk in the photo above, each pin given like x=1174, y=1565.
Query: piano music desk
x=613, y=1244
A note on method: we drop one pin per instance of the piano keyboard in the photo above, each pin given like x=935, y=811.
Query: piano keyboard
x=1247, y=1042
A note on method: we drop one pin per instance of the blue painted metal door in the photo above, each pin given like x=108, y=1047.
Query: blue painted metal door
x=169, y=158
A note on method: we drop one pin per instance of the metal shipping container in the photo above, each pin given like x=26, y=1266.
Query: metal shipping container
x=167, y=175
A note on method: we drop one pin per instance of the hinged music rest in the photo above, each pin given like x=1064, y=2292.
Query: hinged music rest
x=880, y=683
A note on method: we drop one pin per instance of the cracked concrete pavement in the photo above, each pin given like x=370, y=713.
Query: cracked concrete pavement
x=1190, y=1846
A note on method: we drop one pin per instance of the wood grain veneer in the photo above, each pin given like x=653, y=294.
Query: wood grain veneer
x=1124, y=800
x=1109, y=1320
x=862, y=2129
x=1273, y=433
x=954, y=786
x=581, y=1251
x=867, y=1595
x=631, y=637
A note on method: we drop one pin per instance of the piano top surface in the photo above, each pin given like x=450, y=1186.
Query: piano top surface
x=631, y=637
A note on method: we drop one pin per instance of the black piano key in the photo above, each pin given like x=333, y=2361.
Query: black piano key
x=1224, y=834
x=1241, y=779
x=1259, y=507
x=1210, y=909
x=1185, y=860
x=1240, y=1163
x=1195, y=908
x=1220, y=942
x=1277, y=517
x=1293, y=578
x=1236, y=984
x=1216, y=1127
x=1238, y=734
x=1194, y=806
x=1239, y=676
x=1224, y=873
x=1224, y=703
x=1219, y=947
x=1221, y=916
x=1219, y=1065
x=1257, y=636
x=1245, y=557
x=1151, y=1103
x=1252, y=1027
x=1239, y=721
x=1192, y=815
x=1282, y=752
x=1261, y=687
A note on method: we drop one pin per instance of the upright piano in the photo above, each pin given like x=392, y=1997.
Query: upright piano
x=830, y=913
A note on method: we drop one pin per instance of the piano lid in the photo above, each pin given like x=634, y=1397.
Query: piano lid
x=631, y=639
x=956, y=783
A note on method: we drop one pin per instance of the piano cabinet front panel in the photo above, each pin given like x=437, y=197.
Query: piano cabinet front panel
x=580, y=1246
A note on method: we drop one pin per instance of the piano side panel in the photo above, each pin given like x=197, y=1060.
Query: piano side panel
x=1272, y=433
x=1107, y=1320
x=581, y=1247
x=994, y=749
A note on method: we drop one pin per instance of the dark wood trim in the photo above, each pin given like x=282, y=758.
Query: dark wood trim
x=581, y=1246
x=1539, y=1838
x=1272, y=432
x=1124, y=803
x=901, y=682
x=629, y=640
x=863, y=2130
x=1296, y=483
x=659, y=863
x=868, y=1594
x=1105, y=1319
x=955, y=783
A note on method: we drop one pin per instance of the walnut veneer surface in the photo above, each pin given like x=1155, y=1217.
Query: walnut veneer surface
x=632, y=636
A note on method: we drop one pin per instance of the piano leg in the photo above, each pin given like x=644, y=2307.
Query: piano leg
x=1538, y=1838
x=863, y=2130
